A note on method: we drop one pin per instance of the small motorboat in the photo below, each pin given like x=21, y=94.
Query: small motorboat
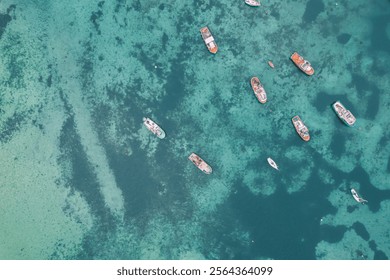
x=209, y=40
x=357, y=197
x=271, y=64
x=272, y=163
x=154, y=128
x=302, y=64
x=200, y=163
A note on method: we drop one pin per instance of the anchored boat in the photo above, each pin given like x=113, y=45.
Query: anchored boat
x=302, y=64
x=271, y=64
x=258, y=90
x=200, y=163
x=357, y=197
x=209, y=39
x=252, y=3
x=272, y=163
x=301, y=128
x=153, y=127
x=344, y=115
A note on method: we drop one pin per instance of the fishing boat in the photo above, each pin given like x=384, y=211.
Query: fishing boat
x=252, y=3
x=153, y=127
x=209, y=39
x=200, y=163
x=302, y=64
x=271, y=64
x=357, y=197
x=344, y=115
x=301, y=128
x=272, y=163
x=258, y=90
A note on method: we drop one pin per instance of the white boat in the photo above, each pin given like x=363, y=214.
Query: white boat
x=272, y=163
x=301, y=128
x=153, y=127
x=258, y=90
x=344, y=114
x=252, y=3
x=357, y=197
x=200, y=163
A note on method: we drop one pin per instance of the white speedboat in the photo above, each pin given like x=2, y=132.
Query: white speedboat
x=357, y=197
x=252, y=3
x=153, y=127
x=272, y=163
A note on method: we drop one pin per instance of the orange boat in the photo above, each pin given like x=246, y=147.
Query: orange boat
x=301, y=128
x=209, y=39
x=302, y=64
x=258, y=90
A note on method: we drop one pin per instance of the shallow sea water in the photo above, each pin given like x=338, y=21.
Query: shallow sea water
x=82, y=178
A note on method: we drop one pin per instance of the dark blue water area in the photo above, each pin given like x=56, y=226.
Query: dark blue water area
x=282, y=226
x=313, y=9
x=287, y=226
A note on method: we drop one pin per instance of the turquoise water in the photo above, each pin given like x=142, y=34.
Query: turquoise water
x=82, y=178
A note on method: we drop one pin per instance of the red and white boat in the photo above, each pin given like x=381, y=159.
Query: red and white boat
x=209, y=39
x=258, y=90
x=271, y=64
x=302, y=64
x=301, y=128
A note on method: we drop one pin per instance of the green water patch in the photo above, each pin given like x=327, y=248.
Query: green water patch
x=96, y=17
x=379, y=255
x=284, y=220
x=12, y=125
x=175, y=87
x=5, y=19
x=362, y=85
x=313, y=9
x=82, y=177
x=343, y=38
x=379, y=36
x=332, y=234
x=361, y=230
x=338, y=143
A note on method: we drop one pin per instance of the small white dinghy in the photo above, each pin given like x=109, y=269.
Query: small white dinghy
x=357, y=197
x=252, y=3
x=272, y=163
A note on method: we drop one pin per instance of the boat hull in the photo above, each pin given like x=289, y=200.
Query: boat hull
x=301, y=128
x=200, y=163
x=357, y=197
x=343, y=114
x=272, y=163
x=258, y=90
x=252, y=3
x=209, y=40
x=302, y=64
x=154, y=128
